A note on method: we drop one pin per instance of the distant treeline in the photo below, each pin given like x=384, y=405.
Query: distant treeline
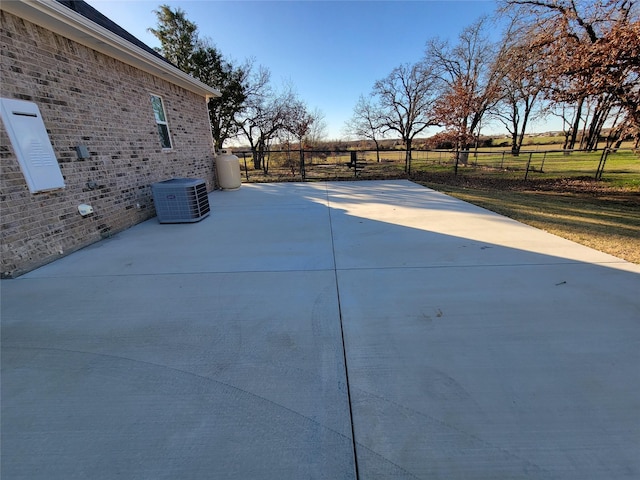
x=435, y=142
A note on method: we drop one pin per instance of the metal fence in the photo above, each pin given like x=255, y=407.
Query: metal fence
x=369, y=164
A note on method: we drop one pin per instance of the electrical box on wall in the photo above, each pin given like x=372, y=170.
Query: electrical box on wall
x=31, y=144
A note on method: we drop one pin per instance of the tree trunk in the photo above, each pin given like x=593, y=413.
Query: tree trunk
x=576, y=125
x=462, y=155
x=515, y=130
x=462, y=141
x=525, y=119
x=600, y=113
x=567, y=140
x=256, y=157
x=261, y=153
x=600, y=126
x=407, y=158
x=515, y=146
x=303, y=172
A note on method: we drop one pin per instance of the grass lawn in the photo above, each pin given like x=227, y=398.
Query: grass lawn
x=591, y=213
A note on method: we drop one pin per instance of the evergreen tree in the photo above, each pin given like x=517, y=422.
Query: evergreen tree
x=178, y=36
x=181, y=46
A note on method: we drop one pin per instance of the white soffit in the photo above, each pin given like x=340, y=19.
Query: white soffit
x=64, y=21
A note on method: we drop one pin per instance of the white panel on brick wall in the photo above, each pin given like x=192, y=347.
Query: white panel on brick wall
x=31, y=144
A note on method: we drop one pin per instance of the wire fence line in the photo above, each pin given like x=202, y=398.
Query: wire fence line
x=310, y=165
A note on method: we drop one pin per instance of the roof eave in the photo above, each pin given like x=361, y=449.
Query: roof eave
x=64, y=21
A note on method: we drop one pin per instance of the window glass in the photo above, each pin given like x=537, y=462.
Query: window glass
x=163, y=131
x=158, y=111
x=161, y=121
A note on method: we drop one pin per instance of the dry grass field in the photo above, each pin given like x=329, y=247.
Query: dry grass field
x=594, y=214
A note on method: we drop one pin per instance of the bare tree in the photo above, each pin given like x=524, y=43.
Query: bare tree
x=470, y=78
x=520, y=92
x=366, y=122
x=406, y=97
x=588, y=49
x=318, y=130
x=299, y=123
x=571, y=116
x=265, y=115
x=598, y=112
x=623, y=129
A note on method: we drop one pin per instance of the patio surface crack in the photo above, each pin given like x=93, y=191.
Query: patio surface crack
x=344, y=348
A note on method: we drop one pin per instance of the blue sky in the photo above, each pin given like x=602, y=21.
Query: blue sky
x=330, y=51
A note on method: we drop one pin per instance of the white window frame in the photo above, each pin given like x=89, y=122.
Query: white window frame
x=162, y=123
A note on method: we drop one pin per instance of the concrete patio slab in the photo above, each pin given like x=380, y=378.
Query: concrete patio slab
x=174, y=376
x=419, y=227
x=493, y=372
x=453, y=342
x=247, y=231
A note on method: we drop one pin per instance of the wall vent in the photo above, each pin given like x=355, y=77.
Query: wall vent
x=181, y=200
x=31, y=144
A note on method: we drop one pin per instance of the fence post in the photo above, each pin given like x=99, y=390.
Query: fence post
x=246, y=170
x=528, y=163
x=502, y=161
x=542, y=165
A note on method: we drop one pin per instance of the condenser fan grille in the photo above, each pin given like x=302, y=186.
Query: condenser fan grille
x=181, y=200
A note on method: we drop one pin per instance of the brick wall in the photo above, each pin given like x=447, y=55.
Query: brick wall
x=87, y=98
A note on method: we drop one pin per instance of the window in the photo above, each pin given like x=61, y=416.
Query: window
x=161, y=121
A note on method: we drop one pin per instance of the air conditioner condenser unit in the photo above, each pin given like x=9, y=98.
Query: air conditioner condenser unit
x=181, y=200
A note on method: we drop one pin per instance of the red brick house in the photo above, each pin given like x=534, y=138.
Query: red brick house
x=110, y=117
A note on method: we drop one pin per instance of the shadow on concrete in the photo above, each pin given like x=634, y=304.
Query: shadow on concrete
x=476, y=347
